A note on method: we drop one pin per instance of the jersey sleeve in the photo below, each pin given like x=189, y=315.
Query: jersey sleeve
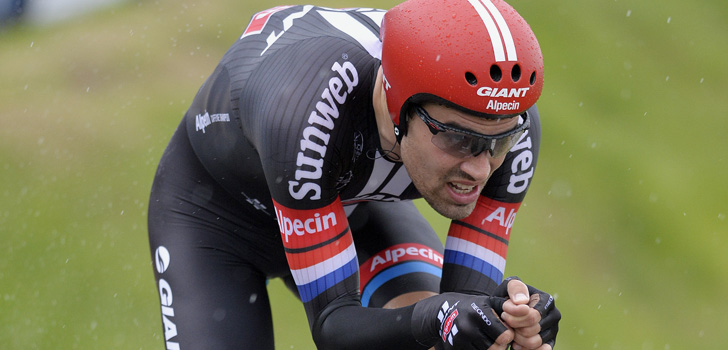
x=476, y=247
x=303, y=140
x=303, y=100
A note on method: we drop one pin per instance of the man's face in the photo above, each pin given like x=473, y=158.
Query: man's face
x=451, y=185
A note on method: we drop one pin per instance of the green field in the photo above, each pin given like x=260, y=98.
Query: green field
x=625, y=221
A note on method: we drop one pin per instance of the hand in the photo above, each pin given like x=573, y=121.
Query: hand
x=531, y=313
x=461, y=321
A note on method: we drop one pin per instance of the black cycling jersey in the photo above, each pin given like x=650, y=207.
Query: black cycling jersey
x=276, y=171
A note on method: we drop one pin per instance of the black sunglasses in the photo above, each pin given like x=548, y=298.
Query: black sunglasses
x=465, y=143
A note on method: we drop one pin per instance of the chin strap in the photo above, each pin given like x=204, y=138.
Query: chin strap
x=400, y=130
x=398, y=135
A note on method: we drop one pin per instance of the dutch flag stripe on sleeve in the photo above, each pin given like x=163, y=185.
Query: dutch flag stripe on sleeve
x=480, y=241
x=318, y=246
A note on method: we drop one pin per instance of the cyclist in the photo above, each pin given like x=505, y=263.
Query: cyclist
x=300, y=155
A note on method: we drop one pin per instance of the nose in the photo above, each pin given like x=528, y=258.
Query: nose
x=478, y=167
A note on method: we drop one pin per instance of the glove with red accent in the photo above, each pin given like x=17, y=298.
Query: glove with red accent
x=535, y=319
x=461, y=321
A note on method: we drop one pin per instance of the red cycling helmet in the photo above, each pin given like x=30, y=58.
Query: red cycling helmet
x=479, y=56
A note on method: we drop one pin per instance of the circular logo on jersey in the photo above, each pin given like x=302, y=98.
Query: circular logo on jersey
x=161, y=259
x=358, y=145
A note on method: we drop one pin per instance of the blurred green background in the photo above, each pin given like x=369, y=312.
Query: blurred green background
x=625, y=221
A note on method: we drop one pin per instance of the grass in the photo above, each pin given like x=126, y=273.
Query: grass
x=625, y=221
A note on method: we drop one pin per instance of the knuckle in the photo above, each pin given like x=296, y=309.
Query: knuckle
x=534, y=317
x=533, y=342
x=505, y=337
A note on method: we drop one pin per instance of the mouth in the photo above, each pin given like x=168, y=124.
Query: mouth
x=461, y=189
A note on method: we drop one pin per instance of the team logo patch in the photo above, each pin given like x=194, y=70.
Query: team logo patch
x=447, y=316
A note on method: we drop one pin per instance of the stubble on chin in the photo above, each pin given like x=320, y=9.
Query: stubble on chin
x=451, y=211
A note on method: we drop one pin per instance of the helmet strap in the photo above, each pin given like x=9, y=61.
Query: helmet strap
x=397, y=134
x=400, y=130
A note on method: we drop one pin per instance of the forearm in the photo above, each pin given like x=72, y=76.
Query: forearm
x=356, y=327
x=475, y=252
x=476, y=247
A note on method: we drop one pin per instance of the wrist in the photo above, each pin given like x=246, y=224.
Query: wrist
x=424, y=327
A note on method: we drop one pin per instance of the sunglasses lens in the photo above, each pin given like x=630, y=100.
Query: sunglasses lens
x=455, y=144
x=464, y=146
x=503, y=145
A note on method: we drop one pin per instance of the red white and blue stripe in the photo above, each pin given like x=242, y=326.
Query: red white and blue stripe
x=319, y=247
x=395, y=261
x=480, y=241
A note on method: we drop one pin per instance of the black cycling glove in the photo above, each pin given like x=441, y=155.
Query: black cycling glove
x=458, y=321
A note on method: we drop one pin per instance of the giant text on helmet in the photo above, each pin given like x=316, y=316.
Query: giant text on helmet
x=502, y=92
x=497, y=106
x=315, y=138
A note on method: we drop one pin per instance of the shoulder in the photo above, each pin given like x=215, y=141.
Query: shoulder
x=511, y=181
x=281, y=26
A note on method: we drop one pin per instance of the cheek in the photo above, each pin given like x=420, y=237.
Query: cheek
x=419, y=151
x=496, y=163
x=423, y=154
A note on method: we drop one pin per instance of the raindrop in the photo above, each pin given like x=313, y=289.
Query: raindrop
x=253, y=298
x=626, y=94
x=629, y=13
x=653, y=198
x=669, y=19
x=219, y=315
x=561, y=189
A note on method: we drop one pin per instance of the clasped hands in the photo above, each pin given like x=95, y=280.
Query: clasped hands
x=530, y=315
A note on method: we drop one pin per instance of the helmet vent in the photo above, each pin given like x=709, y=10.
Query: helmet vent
x=516, y=73
x=472, y=80
x=533, y=78
x=495, y=73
